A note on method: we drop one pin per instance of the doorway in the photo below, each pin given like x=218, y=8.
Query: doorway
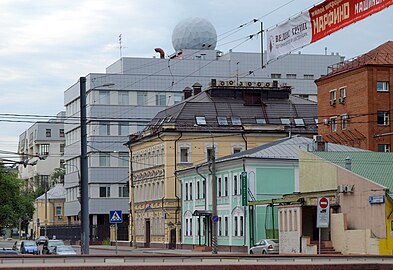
x=147, y=233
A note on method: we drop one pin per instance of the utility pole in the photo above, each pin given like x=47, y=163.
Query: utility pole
x=85, y=235
x=132, y=200
x=46, y=205
x=214, y=201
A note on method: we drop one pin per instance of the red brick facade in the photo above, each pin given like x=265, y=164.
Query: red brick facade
x=363, y=105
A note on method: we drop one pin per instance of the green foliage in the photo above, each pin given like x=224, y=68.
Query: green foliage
x=58, y=175
x=15, y=206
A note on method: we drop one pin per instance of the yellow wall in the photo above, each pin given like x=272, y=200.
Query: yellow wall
x=386, y=245
x=310, y=167
x=52, y=219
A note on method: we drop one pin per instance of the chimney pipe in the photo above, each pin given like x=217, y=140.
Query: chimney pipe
x=197, y=88
x=348, y=164
x=187, y=92
x=161, y=52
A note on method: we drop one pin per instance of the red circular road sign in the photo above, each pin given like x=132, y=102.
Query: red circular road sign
x=323, y=202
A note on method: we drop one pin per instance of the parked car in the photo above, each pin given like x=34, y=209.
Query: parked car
x=265, y=246
x=16, y=245
x=50, y=245
x=8, y=251
x=64, y=250
x=29, y=247
x=41, y=240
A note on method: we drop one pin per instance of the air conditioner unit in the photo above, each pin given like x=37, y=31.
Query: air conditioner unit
x=213, y=82
x=249, y=84
x=240, y=83
x=326, y=121
x=318, y=138
x=231, y=83
x=332, y=102
x=341, y=99
x=259, y=84
x=275, y=84
x=348, y=188
x=221, y=83
x=340, y=189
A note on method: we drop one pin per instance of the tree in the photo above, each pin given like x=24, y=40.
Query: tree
x=15, y=205
x=58, y=175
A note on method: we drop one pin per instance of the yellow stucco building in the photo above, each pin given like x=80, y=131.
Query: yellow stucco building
x=224, y=119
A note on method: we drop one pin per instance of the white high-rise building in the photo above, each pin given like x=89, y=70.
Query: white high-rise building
x=125, y=98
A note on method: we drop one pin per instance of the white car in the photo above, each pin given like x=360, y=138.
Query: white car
x=64, y=250
x=265, y=246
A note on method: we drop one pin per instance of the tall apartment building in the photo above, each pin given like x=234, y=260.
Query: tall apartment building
x=41, y=148
x=133, y=90
x=355, y=101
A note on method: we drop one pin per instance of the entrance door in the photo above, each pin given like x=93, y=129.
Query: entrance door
x=147, y=233
x=172, y=242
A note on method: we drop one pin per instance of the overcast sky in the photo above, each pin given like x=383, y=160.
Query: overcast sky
x=46, y=46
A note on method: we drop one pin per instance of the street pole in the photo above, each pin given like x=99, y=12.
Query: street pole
x=132, y=200
x=85, y=235
x=214, y=202
x=46, y=205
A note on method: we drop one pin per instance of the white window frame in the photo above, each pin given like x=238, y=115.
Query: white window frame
x=384, y=84
x=104, y=129
x=188, y=154
x=103, y=97
x=385, y=116
x=104, y=160
x=333, y=123
x=123, y=98
x=333, y=96
x=386, y=147
x=344, y=121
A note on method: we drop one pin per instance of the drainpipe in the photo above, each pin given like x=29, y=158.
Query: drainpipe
x=177, y=197
x=244, y=139
x=206, y=205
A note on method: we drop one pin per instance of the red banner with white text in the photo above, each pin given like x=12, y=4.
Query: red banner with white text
x=332, y=15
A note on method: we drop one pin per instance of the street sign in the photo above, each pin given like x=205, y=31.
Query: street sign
x=244, y=189
x=323, y=212
x=115, y=216
x=215, y=219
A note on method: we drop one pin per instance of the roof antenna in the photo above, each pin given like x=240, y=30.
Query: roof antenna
x=120, y=46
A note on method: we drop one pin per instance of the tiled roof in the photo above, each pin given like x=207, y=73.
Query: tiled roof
x=375, y=166
x=57, y=192
x=382, y=55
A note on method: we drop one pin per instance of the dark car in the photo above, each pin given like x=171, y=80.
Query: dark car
x=8, y=251
x=29, y=247
x=50, y=245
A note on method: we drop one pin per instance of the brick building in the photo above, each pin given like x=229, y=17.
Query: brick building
x=355, y=101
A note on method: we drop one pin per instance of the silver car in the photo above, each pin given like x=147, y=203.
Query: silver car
x=64, y=250
x=265, y=246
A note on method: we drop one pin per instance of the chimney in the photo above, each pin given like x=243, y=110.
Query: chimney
x=187, y=92
x=197, y=88
x=319, y=143
x=161, y=52
x=348, y=164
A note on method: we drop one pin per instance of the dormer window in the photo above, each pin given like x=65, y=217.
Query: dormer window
x=236, y=121
x=285, y=121
x=260, y=121
x=222, y=120
x=299, y=122
x=200, y=120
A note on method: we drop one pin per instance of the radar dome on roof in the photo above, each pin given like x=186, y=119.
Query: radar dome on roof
x=194, y=33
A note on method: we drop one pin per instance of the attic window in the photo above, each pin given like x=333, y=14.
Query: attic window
x=285, y=121
x=222, y=120
x=200, y=120
x=260, y=121
x=236, y=121
x=299, y=122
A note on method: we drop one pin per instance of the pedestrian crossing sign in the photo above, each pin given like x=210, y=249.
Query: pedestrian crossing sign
x=115, y=216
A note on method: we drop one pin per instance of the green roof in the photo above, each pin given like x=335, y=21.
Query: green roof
x=375, y=166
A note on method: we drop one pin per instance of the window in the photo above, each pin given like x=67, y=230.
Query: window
x=198, y=190
x=236, y=121
x=383, y=118
x=219, y=226
x=235, y=224
x=104, y=160
x=124, y=159
x=333, y=97
x=190, y=191
x=104, y=129
x=184, y=155
x=382, y=86
x=123, y=98
x=62, y=148
x=241, y=225
x=383, y=147
x=160, y=100
x=299, y=122
x=59, y=211
x=308, y=76
x=237, y=150
x=219, y=187
x=48, y=132
x=333, y=123
x=103, y=97
x=105, y=192
x=343, y=92
x=222, y=120
x=61, y=133
x=44, y=149
x=204, y=188
x=200, y=120
x=344, y=121
x=275, y=76
x=235, y=190
x=141, y=98
x=209, y=153
x=225, y=186
x=186, y=192
x=177, y=99
x=285, y=121
x=123, y=129
x=226, y=226
x=260, y=121
x=291, y=76
x=123, y=191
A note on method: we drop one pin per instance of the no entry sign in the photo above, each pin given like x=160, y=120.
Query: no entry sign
x=323, y=212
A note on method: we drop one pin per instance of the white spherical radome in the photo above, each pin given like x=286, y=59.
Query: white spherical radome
x=194, y=33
